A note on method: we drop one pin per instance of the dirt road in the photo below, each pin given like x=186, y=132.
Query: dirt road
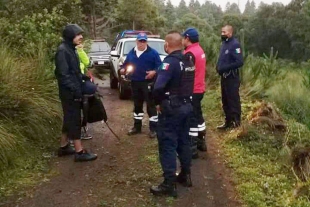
x=124, y=171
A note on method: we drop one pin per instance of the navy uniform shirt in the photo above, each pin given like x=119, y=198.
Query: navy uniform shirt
x=230, y=58
x=149, y=60
x=169, y=75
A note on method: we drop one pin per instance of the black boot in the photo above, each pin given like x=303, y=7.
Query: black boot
x=201, y=142
x=224, y=126
x=167, y=188
x=235, y=124
x=134, y=131
x=185, y=179
x=193, y=140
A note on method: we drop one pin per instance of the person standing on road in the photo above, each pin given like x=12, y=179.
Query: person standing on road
x=172, y=93
x=145, y=62
x=194, y=52
x=229, y=62
x=70, y=81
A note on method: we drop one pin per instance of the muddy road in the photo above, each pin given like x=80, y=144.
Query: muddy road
x=124, y=171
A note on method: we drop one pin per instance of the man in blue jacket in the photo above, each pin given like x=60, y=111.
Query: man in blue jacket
x=229, y=62
x=145, y=61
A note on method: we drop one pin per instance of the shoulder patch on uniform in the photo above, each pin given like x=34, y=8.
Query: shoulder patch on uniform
x=165, y=66
x=203, y=56
x=238, y=50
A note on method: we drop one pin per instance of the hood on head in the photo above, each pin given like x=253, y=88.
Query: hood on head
x=70, y=31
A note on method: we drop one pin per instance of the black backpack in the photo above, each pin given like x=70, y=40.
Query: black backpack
x=93, y=110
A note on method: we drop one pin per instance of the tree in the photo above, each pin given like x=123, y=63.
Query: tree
x=99, y=14
x=194, y=6
x=160, y=5
x=170, y=15
x=182, y=9
x=232, y=9
x=191, y=20
x=267, y=29
x=139, y=14
x=210, y=12
x=249, y=8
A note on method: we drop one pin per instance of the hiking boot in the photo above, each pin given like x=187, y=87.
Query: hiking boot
x=67, y=150
x=185, y=179
x=152, y=134
x=165, y=189
x=134, y=131
x=84, y=156
x=224, y=126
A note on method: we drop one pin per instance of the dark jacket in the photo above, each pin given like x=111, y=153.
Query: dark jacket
x=230, y=59
x=149, y=60
x=67, y=63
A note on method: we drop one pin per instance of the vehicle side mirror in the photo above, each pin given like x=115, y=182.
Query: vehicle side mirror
x=114, y=53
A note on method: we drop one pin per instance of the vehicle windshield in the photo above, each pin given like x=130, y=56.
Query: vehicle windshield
x=157, y=45
x=100, y=47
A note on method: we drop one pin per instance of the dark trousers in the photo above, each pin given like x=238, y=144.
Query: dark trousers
x=173, y=138
x=197, y=120
x=140, y=93
x=71, y=119
x=231, y=99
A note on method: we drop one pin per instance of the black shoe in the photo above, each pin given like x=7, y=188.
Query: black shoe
x=185, y=179
x=152, y=134
x=201, y=144
x=67, y=150
x=84, y=156
x=224, y=126
x=134, y=131
x=165, y=189
x=195, y=155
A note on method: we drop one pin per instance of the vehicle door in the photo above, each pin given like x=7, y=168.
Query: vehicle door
x=115, y=55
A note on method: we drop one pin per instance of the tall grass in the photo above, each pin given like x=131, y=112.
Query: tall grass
x=286, y=84
x=29, y=109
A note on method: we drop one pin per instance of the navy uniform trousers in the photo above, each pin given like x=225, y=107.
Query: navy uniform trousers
x=173, y=138
x=231, y=99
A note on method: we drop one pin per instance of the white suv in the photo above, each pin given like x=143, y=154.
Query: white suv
x=118, y=56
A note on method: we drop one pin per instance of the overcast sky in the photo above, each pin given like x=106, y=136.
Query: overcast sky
x=222, y=3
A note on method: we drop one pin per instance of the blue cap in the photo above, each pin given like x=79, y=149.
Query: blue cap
x=190, y=32
x=142, y=36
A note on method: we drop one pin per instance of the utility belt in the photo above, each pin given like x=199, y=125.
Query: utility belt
x=177, y=101
x=231, y=73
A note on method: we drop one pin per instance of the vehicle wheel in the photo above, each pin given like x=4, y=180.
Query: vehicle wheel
x=113, y=80
x=123, y=93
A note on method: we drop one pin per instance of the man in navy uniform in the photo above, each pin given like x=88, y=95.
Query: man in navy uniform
x=145, y=61
x=172, y=94
x=229, y=62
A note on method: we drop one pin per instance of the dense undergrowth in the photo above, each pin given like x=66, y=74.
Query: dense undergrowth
x=269, y=155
